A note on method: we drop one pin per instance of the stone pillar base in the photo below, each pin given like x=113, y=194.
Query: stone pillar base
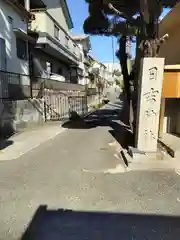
x=136, y=155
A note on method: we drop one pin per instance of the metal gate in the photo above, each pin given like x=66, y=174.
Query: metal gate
x=77, y=105
x=61, y=105
x=55, y=105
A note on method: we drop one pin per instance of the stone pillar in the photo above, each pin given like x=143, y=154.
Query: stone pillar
x=149, y=100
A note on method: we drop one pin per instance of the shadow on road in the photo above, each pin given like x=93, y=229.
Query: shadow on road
x=114, y=116
x=71, y=225
x=4, y=143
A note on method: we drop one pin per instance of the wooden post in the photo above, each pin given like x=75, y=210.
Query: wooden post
x=161, y=117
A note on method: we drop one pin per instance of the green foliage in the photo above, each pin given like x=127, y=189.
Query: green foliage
x=119, y=83
x=97, y=106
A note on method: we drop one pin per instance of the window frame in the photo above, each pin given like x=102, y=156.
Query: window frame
x=20, y=55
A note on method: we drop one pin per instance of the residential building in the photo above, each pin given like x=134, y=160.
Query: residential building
x=114, y=72
x=14, y=51
x=97, y=72
x=13, y=37
x=103, y=73
x=85, y=46
x=170, y=105
x=112, y=67
x=55, y=54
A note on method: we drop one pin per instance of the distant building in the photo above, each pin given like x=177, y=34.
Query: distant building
x=114, y=70
x=84, y=44
x=111, y=67
x=99, y=71
x=84, y=41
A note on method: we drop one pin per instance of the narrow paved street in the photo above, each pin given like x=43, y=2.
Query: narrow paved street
x=68, y=173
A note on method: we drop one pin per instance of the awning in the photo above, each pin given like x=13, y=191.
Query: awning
x=21, y=34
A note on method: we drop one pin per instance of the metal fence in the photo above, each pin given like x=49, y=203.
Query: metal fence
x=61, y=99
x=14, y=86
x=17, y=86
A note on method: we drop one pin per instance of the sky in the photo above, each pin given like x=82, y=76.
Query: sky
x=102, y=48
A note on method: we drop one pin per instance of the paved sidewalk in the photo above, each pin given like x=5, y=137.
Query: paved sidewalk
x=22, y=143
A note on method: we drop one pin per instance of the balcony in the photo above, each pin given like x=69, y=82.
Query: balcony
x=32, y=3
x=53, y=38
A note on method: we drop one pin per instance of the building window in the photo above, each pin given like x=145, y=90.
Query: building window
x=21, y=47
x=56, y=32
x=60, y=72
x=67, y=41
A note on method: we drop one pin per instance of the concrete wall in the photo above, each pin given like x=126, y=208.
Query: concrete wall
x=55, y=10
x=40, y=24
x=17, y=115
x=14, y=64
x=45, y=23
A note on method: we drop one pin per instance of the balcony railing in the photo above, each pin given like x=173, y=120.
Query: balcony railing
x=45, y=24
x=15, y=86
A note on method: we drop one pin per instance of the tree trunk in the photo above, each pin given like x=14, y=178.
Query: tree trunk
x=126, y=78
x=147, y=45
x=124, y=68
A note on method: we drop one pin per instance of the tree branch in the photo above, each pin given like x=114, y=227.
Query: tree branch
x=130, y=20
x=117, y=12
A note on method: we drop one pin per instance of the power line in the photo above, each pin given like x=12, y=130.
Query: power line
x=113, y=53
x=113, y=49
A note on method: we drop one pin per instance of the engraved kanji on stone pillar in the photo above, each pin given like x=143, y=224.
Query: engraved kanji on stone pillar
x=149, y=99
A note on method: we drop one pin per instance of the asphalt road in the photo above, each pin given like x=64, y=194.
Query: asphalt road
x=67, y=173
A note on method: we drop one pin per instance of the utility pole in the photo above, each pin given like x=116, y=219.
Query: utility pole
x=128, y=51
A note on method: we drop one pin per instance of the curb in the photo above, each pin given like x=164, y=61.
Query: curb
x=168, y=148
